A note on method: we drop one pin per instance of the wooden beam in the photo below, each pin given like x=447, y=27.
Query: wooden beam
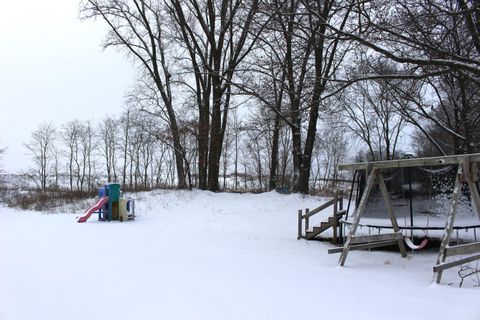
x=474, y=195
x=468, y=248
x=377, y=237
x=362, y=246
x=335, y=211
x=299, y=230
x=391, y=213
x=416, y=162
x=357, y=215
x=450, y=221
x=307, y=219
x=447, y=265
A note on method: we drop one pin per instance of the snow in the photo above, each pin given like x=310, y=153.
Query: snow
x=200, y=255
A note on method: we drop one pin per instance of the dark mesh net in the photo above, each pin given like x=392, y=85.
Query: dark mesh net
x=419, y=191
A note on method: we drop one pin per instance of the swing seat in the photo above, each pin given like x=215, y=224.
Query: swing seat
x=413, y=246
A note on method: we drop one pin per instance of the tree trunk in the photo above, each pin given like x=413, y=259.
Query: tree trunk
x=274, y=155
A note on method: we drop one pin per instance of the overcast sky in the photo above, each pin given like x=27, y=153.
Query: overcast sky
x=53, y=68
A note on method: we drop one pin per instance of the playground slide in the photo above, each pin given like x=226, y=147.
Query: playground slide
x=91, y=210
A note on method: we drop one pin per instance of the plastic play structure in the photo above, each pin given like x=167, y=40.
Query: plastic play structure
x=110, y=206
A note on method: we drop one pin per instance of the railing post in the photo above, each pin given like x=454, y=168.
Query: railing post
x=307, y=219
x=335, y=203
x=340, y=231
x=336, y=207
x=299, y=235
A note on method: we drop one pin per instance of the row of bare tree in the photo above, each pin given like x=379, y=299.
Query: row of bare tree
x=135, y=151
x=295, y=79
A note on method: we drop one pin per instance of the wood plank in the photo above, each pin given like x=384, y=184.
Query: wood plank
x=299, y=228
x=377, y=237
x=357, y=215
x=415, y=162
x=307, y=220
x=447, y=265
x=474, y=195
x=468, y=248
x=450, y=221
x=362, y=246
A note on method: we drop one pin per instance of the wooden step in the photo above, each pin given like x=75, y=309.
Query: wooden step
x=332, y=220
x=324, y=225
x=317, y=230
x=309, y=235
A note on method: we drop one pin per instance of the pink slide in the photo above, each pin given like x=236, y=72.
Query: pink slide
x=91, y=210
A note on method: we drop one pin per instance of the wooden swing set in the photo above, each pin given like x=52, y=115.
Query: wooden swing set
x=467, y=172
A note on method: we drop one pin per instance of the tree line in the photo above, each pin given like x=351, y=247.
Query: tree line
x=287, y=83
x=136, y=152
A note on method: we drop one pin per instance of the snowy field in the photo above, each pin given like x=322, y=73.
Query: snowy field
x=199, y=255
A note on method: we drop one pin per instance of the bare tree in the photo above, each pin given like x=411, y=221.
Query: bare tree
x=332, y=150
x=126, y=131
x=42, y=147
x=137, y=27
x=310, y=55
x=374, y=110
x=108, y=142
x=236, y=123
x=88, y=143
x=417, y=33
x=71, y=135
x=434, y=40
x=217, y=36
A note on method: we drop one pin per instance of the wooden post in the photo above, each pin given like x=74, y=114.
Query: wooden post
x=475, y=196
x=335, y=204
x=335, y=212
x=450, y=221
x=339, y=224
x=299, y=234
x=307, y=219
x=470, y=173
x=391, y=213
x=334, y=237
x=357, y=215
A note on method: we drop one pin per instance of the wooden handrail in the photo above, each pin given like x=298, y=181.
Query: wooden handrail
x=320, y=208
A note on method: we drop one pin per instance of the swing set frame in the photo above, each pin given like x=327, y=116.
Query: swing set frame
x=467, y=172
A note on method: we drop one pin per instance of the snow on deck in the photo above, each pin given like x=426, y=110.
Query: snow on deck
x=200, y=255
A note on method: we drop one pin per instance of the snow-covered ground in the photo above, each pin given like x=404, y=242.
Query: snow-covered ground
x=200, y=255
